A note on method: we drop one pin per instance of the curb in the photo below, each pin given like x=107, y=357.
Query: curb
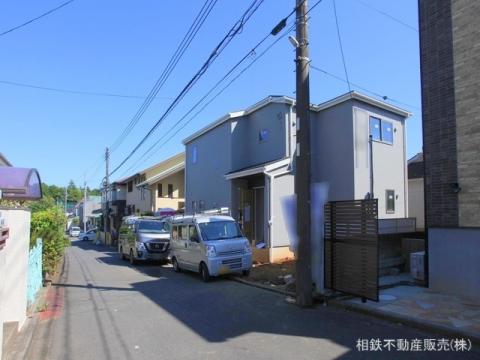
x=409, y=321
x=261, y=286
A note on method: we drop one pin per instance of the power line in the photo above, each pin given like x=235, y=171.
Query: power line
x=391, y=17
x=70, y=91
x=236, y=28
x=145, y=158
x=37, y=18
x=175, y=58
x=341, y=46
x=153, y=149
x=383, y=97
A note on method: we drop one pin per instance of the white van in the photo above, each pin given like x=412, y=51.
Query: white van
x=209, y=244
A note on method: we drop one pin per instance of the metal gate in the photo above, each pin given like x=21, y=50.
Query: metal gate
x=351, y=247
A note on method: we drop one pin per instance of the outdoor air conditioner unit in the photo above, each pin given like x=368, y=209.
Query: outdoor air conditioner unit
x=417, y=265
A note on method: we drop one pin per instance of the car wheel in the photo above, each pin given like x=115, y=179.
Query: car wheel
x=246, y=272
x=85, y=238
x=175, y=265
x=122, y=255
x=204, y=272
x=132, y=258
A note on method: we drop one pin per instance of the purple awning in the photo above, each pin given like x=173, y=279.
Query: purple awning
x=20, y=183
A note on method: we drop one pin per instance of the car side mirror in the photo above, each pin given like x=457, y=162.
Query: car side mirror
x=195, y=239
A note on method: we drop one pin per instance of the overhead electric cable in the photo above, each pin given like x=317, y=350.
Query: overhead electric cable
x=70, y=91
x=175, y=58
x=391, y=17
x=341, y=45
x=35, y=19
x=383, y=97
x=144, y=157
x=236, y=28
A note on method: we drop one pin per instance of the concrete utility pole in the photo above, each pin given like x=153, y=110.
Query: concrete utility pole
x=304, y=286
x=84, y=206
x=106, y=183
x=66, y=199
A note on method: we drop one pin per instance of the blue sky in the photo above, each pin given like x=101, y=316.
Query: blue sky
x=119, y=46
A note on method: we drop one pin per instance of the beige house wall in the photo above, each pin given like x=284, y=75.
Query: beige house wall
x=178, y=200
x=145, y=198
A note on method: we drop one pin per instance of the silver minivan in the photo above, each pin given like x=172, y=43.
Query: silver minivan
x=144, y=238
x=212, y=245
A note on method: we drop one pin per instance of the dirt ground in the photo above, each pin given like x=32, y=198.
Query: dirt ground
x=280, y=275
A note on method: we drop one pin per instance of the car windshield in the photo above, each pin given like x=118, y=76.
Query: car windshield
x=75, y=228
x=217, y=230
x=152, y=227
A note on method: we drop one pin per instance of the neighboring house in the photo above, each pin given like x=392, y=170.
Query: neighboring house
x=416, y=199
x=92, y=203
x=159, y=186
x=117, y=203
x=166, y=183
x=244, y=161
x=450, y=58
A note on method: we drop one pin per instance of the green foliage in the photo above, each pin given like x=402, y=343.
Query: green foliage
x=49, y=225
x=76, y=221
x=41, y=205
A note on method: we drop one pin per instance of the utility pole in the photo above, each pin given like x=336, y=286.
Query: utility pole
x=304, y=286
x=105, y=189
x=66, y=199
x=85, y=206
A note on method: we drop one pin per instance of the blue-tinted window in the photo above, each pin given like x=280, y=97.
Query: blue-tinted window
x=263, y=135
x=375, y=128
x=194, y=154
x=387, y=131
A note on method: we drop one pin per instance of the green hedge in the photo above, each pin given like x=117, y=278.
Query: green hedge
x=49, y=225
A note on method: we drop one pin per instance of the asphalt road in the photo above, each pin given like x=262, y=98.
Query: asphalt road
x=105, y=309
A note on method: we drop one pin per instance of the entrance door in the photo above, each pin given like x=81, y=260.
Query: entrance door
x=259, y=215
x=246, y=214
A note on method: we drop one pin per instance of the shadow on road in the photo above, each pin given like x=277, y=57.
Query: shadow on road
x=223, y=309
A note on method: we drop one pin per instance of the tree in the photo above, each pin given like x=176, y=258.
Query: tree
x=74, y=193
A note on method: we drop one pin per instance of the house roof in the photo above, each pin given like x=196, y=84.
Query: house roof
x=415, y=167
x=4, y=160
x=126, y=179
x=352, y=95
x=170, y=171
x=258, y=169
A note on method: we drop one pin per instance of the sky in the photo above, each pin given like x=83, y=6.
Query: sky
x=121, y=47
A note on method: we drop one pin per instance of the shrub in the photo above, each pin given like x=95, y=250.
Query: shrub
x=49, y=225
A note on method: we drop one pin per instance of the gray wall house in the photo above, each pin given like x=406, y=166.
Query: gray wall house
x=244, y=161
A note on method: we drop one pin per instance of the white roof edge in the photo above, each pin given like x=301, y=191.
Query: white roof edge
x=258, y=169
x=268, y=100
x=288, y=100
x=180, y=154
x=163, y=174
x=364, y=98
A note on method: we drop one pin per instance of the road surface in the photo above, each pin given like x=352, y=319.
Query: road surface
x=102, y=308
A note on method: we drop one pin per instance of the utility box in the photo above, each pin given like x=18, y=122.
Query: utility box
x=417, y=265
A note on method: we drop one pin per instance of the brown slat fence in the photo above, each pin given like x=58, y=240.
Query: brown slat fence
x=351, y=247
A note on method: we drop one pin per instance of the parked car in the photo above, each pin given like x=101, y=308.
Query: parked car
x=212, y=245
x=74, y=231
x=144, y=238
x=89, y=235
